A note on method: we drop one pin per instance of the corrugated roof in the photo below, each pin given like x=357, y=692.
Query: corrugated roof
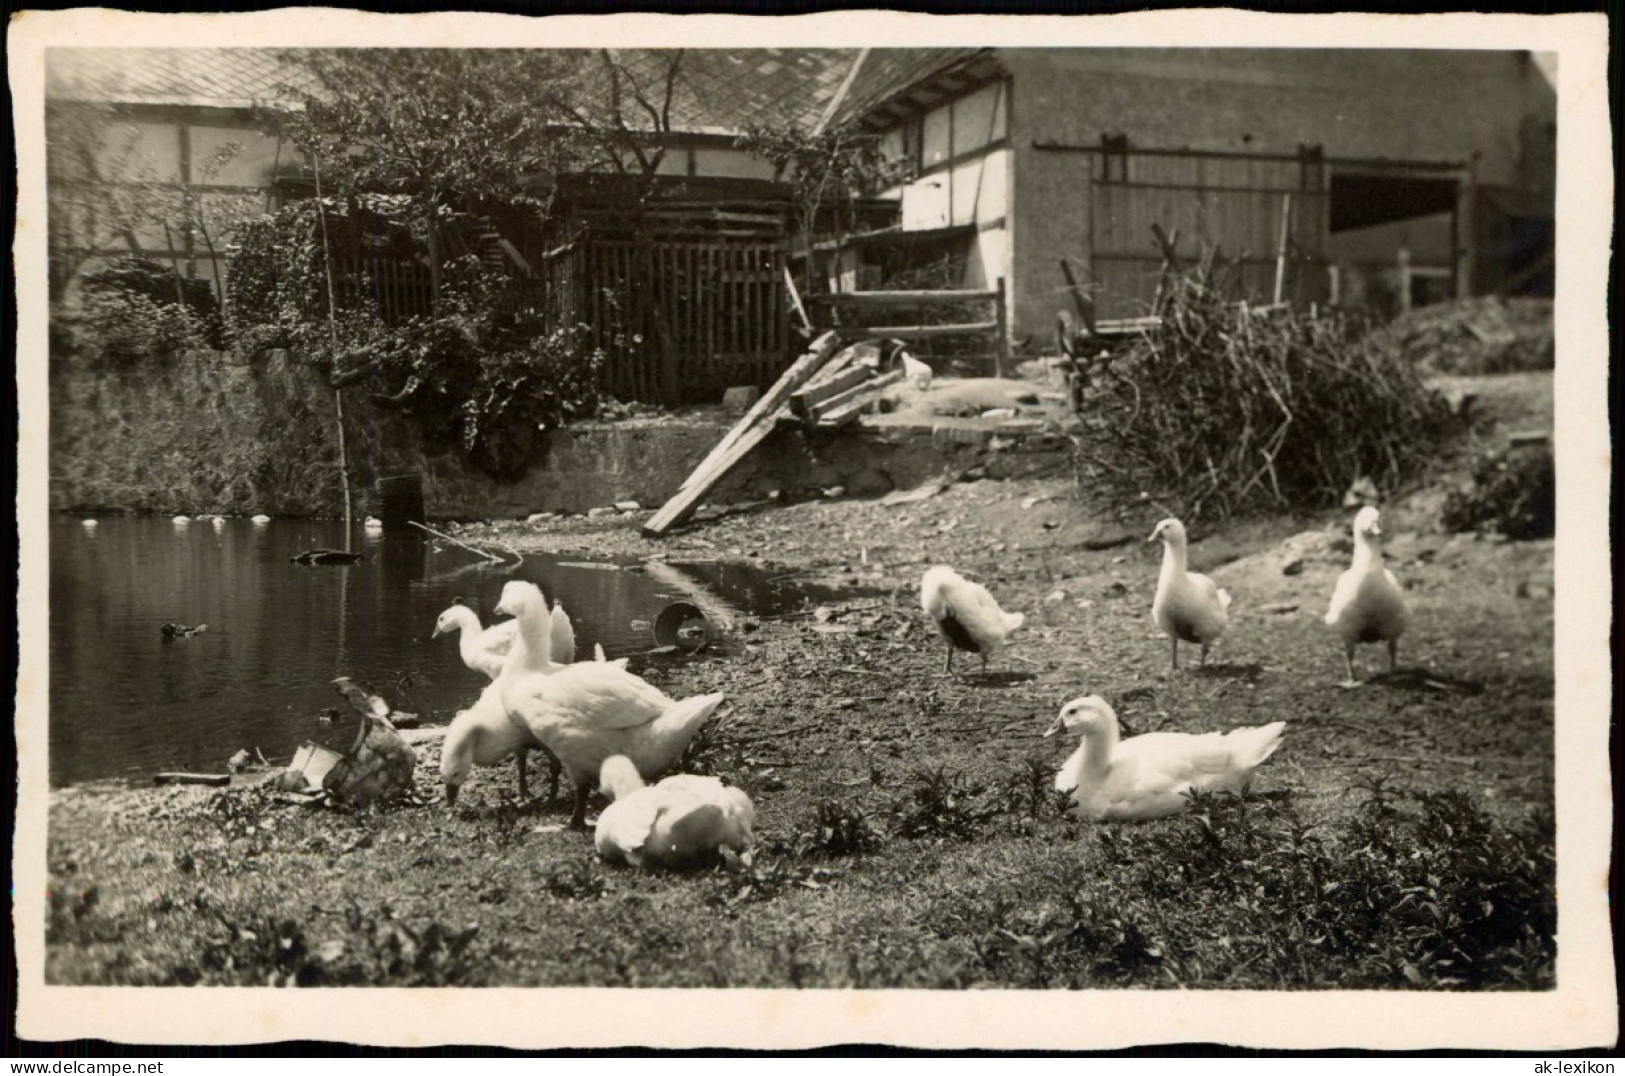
x=727, y=90
x=220, y=77
x=719, y=90
x=886, y=74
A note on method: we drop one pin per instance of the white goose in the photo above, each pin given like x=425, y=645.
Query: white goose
x=685, y=820
x=1188, y=606
x=482, y=735
x=486, y=650
x=966, y=614
x=592, y=710
x=1149, y=776
x=1368, y=605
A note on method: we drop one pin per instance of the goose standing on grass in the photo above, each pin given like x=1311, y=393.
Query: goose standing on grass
x=1188, y=606
x=966, y=614
x=1368, y=605
x=1150, y=776
x=482, y=735
x=683, y=821
x=589, y=711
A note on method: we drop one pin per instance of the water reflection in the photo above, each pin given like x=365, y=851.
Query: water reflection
x=127, y=701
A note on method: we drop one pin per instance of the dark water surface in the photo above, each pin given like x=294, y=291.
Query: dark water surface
x=127, y=702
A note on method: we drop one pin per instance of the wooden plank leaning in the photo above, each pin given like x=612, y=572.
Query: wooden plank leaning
x=799, y=373
x=750, y=431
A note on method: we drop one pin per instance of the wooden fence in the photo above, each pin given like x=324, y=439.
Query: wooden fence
x=680, y=320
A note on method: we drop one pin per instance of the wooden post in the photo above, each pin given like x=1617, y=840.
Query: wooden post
x=1280, y=250
x=1001, y=353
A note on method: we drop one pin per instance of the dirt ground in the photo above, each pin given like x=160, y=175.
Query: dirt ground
x=908, y=836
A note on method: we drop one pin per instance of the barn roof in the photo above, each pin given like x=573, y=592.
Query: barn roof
x=716, y=90
x=223, y=78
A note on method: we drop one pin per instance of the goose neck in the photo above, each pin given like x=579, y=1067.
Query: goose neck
x=1102, y=741
x=1173, y=557
x=1367, y=553
x=532, y=641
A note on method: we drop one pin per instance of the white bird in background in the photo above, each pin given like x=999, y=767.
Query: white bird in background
x=373, y=523
x=1368, y=605
x=486, y=650
x=685, y=820
x=966, y=614
x=181, y=519
x=1150, y=776
x=1188, y=606
x=261, y=518
x=483, y=650
x=592, y=710
x=917, y=372
x=89, y=522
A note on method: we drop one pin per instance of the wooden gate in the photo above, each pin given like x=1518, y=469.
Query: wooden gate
x=1234, y=202
x=681, y=320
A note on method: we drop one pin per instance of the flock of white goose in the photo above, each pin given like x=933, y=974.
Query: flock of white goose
x=608, y=727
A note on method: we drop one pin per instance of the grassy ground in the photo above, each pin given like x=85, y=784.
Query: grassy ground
x=1402, y=836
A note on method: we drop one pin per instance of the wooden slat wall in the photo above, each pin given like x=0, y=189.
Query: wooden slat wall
x=1233, y=203
x=720, y=297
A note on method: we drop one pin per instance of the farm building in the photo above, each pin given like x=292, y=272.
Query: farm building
x=1375, y=178
x=1403, y=176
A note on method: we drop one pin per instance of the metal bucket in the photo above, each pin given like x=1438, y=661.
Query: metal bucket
x=684, y=625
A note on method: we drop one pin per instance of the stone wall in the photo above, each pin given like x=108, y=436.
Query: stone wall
x=207, y=433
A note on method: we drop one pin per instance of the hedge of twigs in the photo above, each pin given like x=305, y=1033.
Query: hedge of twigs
x=1225, y=408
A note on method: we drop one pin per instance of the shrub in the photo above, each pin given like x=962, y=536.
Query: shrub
x=156, y=281
x=1512, y=493
x=122, y=328
x=1221, y=408
x=837, y=829
x=469, y=375
x=937, y=803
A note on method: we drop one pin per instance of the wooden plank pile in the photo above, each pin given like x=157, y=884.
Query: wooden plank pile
x=821, y=390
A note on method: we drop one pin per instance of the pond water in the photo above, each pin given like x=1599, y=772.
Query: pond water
x=127, y=702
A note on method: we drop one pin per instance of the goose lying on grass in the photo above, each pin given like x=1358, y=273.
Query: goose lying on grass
x=683, y=821
x=1188, y=606
x=966, y=614
x=1368, y=605
x=589, y=711
x=1150, y=776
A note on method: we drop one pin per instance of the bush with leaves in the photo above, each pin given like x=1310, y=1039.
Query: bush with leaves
x=1221, y=408
x=123, y=328
x=1512, y=493
x=468, y=375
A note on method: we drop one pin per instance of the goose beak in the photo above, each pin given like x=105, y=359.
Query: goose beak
x=438, y=632
x=1156, y=536
x=1054, y=727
